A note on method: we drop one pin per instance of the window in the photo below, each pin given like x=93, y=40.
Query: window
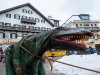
x=37, y=27
x=84, y=17
x=24, y=35
x=42, y=21
x=16, y=25
x=78, y=25
x=56, y=23
x=43, y=28
x=13, y=35
x=16, y=16
x=23, y=26
x=31, y=27
x=86, y=25
x=30, y=12
x=48, y=28
x=93, y=25
x=7, y=24
x=2, y=35
x=8, y=15
x=24, y=10
x=37, y=20
x=31, y=18
x=1, y=23
x=24, y=16
x=95, y=36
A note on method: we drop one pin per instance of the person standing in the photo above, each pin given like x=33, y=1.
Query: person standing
x=1, y=54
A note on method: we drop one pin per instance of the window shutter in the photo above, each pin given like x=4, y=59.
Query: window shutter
x=33, y=19
x=76, y=25
x=97, y=35
x=19, y=16
x=38, y=20
x=24, y=10
x=6, y=15
x=10, y=35
x=14, y=16
x=24, y=16
x=16, y=35
x=3, y=35
x=14, y=25
x=3, y=23
x=30, y=12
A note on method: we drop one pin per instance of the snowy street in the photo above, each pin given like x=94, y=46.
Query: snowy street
x=86, y=61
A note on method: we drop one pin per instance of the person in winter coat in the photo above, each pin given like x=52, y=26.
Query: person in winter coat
x=1, y=54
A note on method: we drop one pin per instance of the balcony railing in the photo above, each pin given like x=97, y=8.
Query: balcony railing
x=24, y=20
x=91, y=28
x=12, y=28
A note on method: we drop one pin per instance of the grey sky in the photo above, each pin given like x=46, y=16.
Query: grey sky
x=59, y=9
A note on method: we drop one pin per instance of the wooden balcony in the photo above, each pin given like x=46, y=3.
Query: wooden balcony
x=29, y=21
x=91, y=28
x=20, y=29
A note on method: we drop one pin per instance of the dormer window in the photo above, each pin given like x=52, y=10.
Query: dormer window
x=84, y=17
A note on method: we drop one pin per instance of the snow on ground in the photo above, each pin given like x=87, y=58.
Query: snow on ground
x=87, y=61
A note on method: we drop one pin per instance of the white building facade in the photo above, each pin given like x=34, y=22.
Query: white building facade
x=21, y=20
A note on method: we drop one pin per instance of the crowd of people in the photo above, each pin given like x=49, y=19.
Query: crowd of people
x=2, y=55
x=91, y=50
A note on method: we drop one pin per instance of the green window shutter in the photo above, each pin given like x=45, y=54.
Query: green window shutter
x=10, y=35
x=14, y=25
x=38, y=20
x=30, y=12
x=3, y=35
x=24, y=10
x=8, y=15
x=16, y=36
x=1, y=23
x=24, y=16
x=16, y=16
x=33, y=19
x=42, y=21
x=7, y=24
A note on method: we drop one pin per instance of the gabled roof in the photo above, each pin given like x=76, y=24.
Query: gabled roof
x=33, y=8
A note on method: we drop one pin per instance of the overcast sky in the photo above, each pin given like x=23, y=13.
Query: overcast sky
x=59, y=9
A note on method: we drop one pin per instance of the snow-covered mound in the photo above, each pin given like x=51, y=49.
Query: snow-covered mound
x=87, y=61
